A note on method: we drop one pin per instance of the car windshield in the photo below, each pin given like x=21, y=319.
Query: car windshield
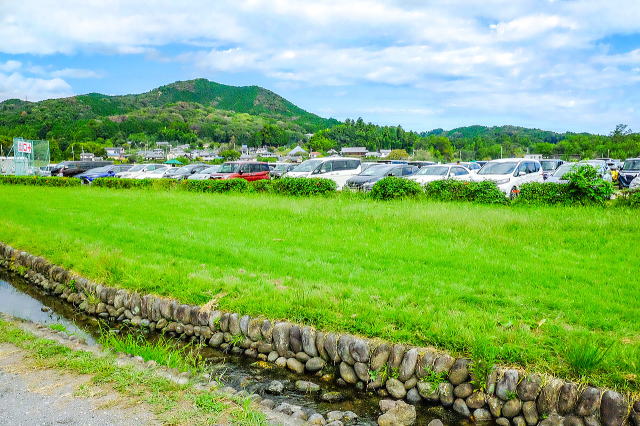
x=631, y=165
x=498, y=168
x=208, y=170
x=229, y=168
x=376, y=170
x=307, y=166
x=177, y=171
x=433, y=171
x=281, y=167
x=563, y=170
x=100, y=169
x=158, y=171
x=137, y=168
x=548, y=166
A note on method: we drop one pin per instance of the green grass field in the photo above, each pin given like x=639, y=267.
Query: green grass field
x=550, y=289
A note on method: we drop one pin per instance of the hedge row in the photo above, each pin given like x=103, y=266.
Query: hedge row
x=40, y=181
x=579, y=190
x=288, y=186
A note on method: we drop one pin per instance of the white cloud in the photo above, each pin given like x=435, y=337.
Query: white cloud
x=528, y=57
x=16, y=85
x=75, y=73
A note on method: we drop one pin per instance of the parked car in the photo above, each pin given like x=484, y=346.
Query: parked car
x=471, y=165
x=612, y=163
x=510, y=173
x=338, y=169
x=421, y=163
x=205, y=173
x=72, y=168
x=559, y=175
x=102, y=172
x=184, y=172
x=629, y=171
x=139, y=169
x=440, y=172
x=248, y=170
x=549, y=166
x=367, y=178
x=280, y=169
x=481, y=163
x=635, y=184
x=155, y=173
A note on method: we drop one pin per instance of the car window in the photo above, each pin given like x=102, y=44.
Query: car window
x=522, y=168
x=458, y=171
x=408, y=170
x=265, y=167
x=326, y=167
x=352, y=164
x=245, y=168
x=396, y=171
x=340, y=165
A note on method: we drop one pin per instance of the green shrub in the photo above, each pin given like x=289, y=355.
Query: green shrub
x=543, y=193
x=586, y=187
x=302, y=186
x=629, y=199
x=40, y=180
x=119, y=183
x=485, y=192
x=392, y=187
x=215, y=185
x=262, y=185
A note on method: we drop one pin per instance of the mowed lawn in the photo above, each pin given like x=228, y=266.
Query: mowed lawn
x=539, y=285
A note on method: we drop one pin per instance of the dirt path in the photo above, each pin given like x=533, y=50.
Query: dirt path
x=46, y=397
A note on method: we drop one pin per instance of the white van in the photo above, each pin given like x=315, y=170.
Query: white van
x=338, y=169
x=140, y=169
x=510, y=173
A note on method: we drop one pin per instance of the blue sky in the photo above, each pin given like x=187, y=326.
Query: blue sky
x=552, y=64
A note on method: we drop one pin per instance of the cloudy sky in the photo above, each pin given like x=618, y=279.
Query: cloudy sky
x=552, y=64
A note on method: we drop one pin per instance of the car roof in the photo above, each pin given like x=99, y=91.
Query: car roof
x=246, y=162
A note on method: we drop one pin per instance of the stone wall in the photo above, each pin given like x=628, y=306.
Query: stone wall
x=419, y=375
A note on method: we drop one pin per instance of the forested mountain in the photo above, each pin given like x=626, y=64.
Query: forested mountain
x=199, y=112
x=196, y=111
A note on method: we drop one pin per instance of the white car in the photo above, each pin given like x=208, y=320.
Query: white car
x=635, y=184
x=338, y=169
x=440, y=172
x=510, y=173
x=138, y=169
x=154, y=173
x=205, y=174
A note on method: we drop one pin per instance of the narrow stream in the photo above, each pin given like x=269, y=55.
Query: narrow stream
x=21, y=300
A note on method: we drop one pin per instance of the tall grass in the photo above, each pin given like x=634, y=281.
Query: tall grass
x=584, y=356
x=530, y=279
x=164, y=351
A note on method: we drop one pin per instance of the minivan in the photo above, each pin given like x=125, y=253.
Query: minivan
x=247, y=170
x=510, y=173
x=338, y=169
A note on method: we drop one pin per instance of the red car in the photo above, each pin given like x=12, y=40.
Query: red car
x=249, y=170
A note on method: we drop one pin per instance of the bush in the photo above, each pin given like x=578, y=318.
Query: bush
x=543, y=193
x=392, y=187
x=303, y=186
x=629, y=199
x=40, y=180
x=262, y=185
x=215, y=185
x=586, y=187
x=485, y=192
x=119, y=183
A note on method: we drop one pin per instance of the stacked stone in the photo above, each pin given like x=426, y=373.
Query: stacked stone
x=399, y=371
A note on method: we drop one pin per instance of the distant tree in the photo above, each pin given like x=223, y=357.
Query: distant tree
x=230, y=155
x=398, y=154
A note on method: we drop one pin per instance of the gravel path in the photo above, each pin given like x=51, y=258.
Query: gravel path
x=45, y=397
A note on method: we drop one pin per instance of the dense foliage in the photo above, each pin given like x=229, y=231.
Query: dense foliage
x=39, y=181
x=584, y=187
x=303, y=186
x=392, y=187
x=454, y=190
x=629, y=198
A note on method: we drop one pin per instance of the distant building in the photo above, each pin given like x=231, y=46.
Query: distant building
x=88, y=156
x=115, y=152
x=296, y=152
x=354, y=151
x=152, y=154
x=163, y=144
x=533, y=156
